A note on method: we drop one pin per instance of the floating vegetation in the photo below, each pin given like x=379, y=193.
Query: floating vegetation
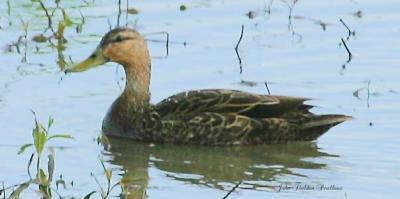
x=247, y=83
x=182, y=7
x=251, y=14
x=40, y=38
x=55, y=38
x=133, y=11
x=358, y=14
x=316, y=21
x=365, y=93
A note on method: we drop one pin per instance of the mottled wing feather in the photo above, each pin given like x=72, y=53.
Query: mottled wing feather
x=228, y=117
x=224, y=129
x=226, y=101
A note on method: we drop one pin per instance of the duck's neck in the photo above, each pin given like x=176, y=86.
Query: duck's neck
x=136, y=95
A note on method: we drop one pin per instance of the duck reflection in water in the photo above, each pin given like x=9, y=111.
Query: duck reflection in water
x=258, y=167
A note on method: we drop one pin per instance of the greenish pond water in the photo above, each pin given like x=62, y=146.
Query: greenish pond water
x=297, y=51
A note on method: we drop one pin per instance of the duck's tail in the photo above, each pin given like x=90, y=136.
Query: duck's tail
x=319, y=125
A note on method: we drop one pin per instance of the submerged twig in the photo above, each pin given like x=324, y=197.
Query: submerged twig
x=345, y=25
x=290, y=13
x=347, y=49
x=79, y=27
x=28, y=168
x=119, y=11
x=290, y=25
x=127, y=13
x=266, y=85
x=348, y=29
x=49, y=21
x=232, y=190
x=98, y=183
x=237, y=52
x=166, y=42
x=108, y=176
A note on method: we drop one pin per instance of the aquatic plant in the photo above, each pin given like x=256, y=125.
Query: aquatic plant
x=41, y=137
x=44, y=179
x=104, y=192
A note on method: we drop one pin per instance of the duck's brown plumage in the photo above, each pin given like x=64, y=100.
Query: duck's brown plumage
x=208, y=117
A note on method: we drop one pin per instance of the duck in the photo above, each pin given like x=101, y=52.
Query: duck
x=218, y=117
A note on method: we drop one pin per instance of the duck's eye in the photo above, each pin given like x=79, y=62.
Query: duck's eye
x=118, y=39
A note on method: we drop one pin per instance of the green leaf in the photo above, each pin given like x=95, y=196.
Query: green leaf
x=23, y=148
x=89, y=194
x=43, y=178
x=67, y=20
x=39, y=138
x=15, y=194
x=60, y=136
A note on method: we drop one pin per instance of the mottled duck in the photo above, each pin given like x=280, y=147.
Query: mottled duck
x=204, y=117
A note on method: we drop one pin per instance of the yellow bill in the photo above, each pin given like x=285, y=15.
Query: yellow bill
x=92, y=61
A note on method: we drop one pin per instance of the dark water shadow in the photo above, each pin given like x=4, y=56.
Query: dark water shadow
x=257, y=167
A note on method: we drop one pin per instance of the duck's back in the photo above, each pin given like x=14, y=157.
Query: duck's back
x=227, y=117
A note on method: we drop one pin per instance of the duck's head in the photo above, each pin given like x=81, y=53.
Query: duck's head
x=121, y=45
